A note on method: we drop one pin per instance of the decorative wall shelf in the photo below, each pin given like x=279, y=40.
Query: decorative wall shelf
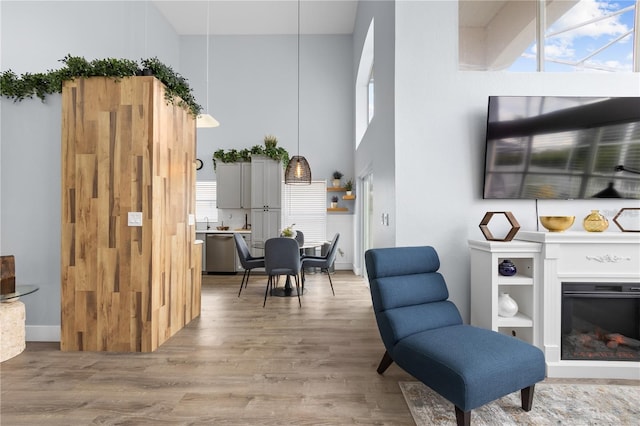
x=337, y=209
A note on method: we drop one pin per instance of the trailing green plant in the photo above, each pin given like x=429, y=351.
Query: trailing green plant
x=234, y=156
x=40, y=85
x=231, y=156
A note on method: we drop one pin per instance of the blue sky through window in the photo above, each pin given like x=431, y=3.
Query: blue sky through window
x=566, y=49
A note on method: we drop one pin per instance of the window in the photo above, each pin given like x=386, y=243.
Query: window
x=206, y=201
x=370, y=102
x=364, y=104
x=579, y=36
x=305, y=205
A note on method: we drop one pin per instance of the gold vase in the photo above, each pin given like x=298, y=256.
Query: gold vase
x=595, y=222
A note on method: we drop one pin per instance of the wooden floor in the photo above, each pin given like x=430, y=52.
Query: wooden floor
x=239, y=363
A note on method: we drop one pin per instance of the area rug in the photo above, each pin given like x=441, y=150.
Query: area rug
x=553, y=404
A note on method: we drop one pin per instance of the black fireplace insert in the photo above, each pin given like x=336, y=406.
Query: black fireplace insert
x=601, y=321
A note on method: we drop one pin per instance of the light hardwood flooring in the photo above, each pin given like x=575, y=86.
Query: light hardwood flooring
x=238, y=363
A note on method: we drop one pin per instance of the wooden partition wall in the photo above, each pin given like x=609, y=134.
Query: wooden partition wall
x=124, y=149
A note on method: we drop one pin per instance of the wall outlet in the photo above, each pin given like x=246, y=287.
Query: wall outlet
x=134, y=219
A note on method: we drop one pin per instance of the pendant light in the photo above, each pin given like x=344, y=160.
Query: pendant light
x=298, y=171
x=207, y=120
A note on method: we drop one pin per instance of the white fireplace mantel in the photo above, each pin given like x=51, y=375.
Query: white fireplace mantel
x=582, y=257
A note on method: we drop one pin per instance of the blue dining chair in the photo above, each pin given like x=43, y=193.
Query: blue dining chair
x=247, y=261
x=322, y=262
x=282, y=257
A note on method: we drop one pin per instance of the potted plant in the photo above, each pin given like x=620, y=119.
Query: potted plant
x=289, y=232
x=334, y=201
x=336, y=178
x=270, y=141
x=348, y=187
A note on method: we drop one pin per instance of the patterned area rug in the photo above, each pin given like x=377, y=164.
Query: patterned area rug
x=553, y=404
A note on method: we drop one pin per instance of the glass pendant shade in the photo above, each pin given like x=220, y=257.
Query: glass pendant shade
x=298, y=171
x=206, y=120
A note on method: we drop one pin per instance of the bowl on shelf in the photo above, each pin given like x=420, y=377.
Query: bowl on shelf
x=222, y=228
x=557, y=223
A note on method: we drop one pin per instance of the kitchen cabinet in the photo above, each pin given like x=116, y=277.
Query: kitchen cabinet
x=266, y=183
x=487, y=284
x=266, y=195
x=265, y=224
x=233, y=185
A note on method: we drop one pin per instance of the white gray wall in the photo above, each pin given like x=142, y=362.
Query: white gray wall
x=35, y=35
x=439, y=139
x=253, y=92
x=377, y=151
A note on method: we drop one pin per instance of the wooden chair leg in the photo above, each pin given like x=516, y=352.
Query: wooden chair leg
x=384, y=363
x=526, y=396
x=463, y=418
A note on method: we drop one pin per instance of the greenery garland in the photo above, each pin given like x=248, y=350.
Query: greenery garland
x=268, y=150
x=29, y=85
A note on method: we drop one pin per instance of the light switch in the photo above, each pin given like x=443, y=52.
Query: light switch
x=134, y=219
x=192, y=219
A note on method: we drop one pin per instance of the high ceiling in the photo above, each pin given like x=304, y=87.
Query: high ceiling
x=240, y=17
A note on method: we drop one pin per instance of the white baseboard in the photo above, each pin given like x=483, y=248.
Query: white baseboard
x=42, y=333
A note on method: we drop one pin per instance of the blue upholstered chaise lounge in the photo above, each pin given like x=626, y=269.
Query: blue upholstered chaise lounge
x=423, y=333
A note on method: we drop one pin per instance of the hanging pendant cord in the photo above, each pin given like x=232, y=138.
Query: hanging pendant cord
x=298, y=47
x=207, y=67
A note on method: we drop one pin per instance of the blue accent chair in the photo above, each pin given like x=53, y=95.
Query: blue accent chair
x=424, y=335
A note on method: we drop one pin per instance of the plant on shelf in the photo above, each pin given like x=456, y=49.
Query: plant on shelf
x=348, y=186
x=270, y=141
x=29, y=85
x=268, y=150
x=336, y=178
x=334, y=201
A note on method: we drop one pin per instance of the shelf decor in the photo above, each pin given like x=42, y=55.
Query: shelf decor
x=507, y=307
x=624, y=213
x=484, y=226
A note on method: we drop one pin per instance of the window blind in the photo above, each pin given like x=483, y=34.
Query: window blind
x=206, y=201
x=305, y=205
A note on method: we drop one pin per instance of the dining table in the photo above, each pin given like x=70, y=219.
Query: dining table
x=288, y=290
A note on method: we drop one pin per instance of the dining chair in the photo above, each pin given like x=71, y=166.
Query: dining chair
x=282, y=257
x=300, y=240
x=322, y=262
x=247, y=261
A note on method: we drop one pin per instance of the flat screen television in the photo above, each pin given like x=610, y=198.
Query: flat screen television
x=546, y=147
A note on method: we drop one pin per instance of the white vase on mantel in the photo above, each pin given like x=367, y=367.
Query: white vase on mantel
x=507, y=307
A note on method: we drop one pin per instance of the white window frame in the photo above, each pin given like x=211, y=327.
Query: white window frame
x=206, y=202
x=306, y=206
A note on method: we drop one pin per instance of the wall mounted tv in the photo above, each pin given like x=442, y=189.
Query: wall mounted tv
x=545, y=147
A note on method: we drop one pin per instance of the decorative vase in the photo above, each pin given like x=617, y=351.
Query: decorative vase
x=334, y=205
x=507, y=307
x=290, y=235
x=336, y=183
x=507, y=268
x=349, y=192
x=595, y=222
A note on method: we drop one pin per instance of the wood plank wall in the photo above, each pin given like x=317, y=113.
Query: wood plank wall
x=124, y=149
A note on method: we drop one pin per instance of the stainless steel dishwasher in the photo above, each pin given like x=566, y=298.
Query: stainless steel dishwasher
x=221, y=253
